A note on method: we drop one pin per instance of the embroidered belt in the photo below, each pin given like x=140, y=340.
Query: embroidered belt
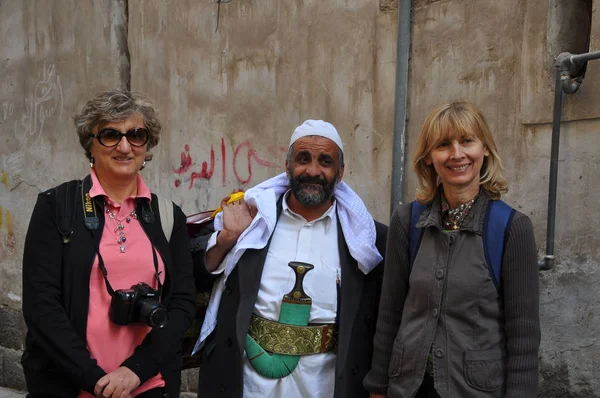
x=280, y=338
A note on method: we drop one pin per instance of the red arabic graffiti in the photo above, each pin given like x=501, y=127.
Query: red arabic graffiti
x=186, y=161
x=244, y=151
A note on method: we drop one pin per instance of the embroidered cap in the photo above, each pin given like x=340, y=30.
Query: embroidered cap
x=319, y=128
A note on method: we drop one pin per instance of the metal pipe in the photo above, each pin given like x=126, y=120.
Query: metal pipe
x=401, y=100
x=548, y=261
x=568, y=71
x=571, y=67
x=581, y=58
x=568, y=84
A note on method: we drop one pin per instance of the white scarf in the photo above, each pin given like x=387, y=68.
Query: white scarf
x=356, y=222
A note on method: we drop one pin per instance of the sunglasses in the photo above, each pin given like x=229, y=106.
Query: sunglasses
x=111, y=137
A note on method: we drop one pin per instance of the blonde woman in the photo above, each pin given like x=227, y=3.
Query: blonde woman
x=448, y=325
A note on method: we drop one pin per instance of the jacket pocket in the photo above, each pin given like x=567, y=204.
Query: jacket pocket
x=485, y=370
x=396, y=359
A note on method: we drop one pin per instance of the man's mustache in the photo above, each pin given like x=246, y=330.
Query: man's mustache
x=311, y=180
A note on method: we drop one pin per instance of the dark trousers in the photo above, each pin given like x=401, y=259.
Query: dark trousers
x=427, y=390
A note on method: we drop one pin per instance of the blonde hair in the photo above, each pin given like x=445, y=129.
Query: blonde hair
x=449, y=120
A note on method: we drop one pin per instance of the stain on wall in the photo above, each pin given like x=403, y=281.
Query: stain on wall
x=8, y=243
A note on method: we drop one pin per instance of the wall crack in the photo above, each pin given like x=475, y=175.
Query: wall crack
x=121, y=26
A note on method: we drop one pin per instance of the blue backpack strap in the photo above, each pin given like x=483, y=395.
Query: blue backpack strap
x=415, y=234
x=495, y=229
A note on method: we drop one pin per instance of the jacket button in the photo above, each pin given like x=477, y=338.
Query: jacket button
x=439, y=274
x=222, y=390
x=434, y=312
x=227, y=289
x=355, y=370
x=229, y=342
x=439, y=353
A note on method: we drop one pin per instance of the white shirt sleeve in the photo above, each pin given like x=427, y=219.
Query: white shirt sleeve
x=212, y=241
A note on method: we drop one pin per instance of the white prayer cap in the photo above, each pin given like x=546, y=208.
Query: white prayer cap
x=319, y=128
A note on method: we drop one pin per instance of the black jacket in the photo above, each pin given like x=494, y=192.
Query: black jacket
x=222, y=367
x=56, y=296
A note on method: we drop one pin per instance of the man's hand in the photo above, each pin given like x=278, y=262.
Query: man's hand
x=237, y=216
x=117, y=384
x=377, y=396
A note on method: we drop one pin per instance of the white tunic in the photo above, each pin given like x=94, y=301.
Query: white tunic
x=316, y=243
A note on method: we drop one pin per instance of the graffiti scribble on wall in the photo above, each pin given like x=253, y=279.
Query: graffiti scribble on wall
x=243, y=157
x=44, y=103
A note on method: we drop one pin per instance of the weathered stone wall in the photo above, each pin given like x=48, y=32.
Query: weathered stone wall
x=230, y=86
x=232, y=81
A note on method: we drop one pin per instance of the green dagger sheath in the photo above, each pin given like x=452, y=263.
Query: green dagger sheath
x=295, y=310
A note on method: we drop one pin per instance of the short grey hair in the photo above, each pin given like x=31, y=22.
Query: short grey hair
x=115, y=106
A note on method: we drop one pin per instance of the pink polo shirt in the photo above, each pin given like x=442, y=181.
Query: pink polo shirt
x=109, y=343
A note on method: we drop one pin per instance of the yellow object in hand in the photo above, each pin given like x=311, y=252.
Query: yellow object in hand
x=232, y=198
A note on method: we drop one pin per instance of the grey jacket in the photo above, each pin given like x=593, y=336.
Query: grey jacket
x=484, y=341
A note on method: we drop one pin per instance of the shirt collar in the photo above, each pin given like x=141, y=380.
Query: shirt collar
x=328, y=217
x=97, y=190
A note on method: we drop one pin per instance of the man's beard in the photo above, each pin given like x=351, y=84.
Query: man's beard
x=315, y=195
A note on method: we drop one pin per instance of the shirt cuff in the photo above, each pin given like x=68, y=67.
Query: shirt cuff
x=212, y=241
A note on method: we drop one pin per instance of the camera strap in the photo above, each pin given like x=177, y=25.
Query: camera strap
x=92, y=223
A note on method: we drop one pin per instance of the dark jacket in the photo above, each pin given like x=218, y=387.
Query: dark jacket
x=56, y=297
x=223, y=353
x=484, y=340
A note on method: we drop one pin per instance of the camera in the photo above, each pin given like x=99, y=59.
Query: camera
x=139, y=304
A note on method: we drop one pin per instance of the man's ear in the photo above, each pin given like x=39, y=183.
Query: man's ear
x=341, y=174
x=287, y=169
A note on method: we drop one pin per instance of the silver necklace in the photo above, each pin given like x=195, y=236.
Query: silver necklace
x=120, y=227
x=455, y=217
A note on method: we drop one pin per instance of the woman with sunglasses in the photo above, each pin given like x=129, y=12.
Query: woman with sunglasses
x=107, y=306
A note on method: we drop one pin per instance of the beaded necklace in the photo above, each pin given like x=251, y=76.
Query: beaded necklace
x=120, y=229
x=453, y=218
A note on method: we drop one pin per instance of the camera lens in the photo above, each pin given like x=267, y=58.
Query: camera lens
x=158, y=318
x=154, y=314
